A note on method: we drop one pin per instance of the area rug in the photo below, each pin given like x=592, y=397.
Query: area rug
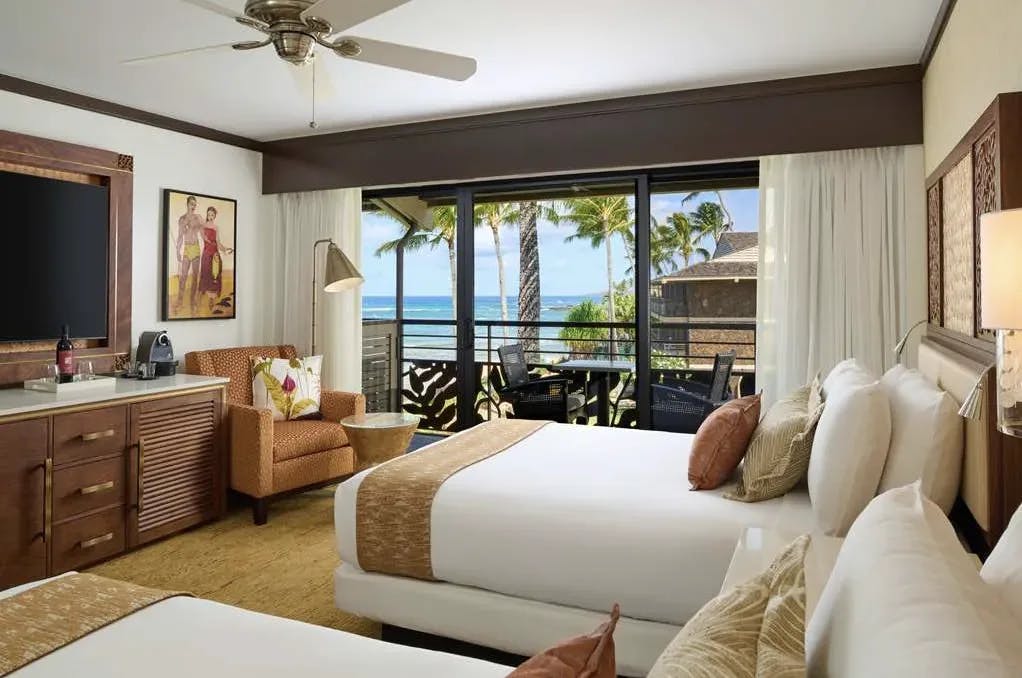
x=283, y=568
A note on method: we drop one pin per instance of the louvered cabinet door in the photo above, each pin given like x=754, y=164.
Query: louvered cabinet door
x=176, y=465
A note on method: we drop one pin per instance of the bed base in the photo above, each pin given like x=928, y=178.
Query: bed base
x=428, y=641
x=463, y=620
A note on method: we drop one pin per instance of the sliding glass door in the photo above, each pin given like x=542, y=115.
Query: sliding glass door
x=576, y=271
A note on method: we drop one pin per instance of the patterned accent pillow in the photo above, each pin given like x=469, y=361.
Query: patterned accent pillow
x=778, y=454
x=755, y=629
x=289, y=388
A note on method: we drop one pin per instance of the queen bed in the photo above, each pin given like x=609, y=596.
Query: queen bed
x=540, y=540
x=183, y=636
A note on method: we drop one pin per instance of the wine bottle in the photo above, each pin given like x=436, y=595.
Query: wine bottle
x=65, y=357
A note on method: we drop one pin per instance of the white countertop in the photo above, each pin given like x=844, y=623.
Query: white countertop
x=17, y=401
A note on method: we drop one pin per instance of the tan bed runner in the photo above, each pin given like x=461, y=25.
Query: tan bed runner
x=394, y=502
x=44, y=619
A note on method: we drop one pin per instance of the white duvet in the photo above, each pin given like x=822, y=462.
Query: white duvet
x=586, y=517
x=193, y=638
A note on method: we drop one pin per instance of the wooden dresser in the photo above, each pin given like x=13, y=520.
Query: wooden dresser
x=88, y=476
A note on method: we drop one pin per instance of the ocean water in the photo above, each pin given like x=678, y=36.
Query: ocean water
x=553, y=307
x=438, y=341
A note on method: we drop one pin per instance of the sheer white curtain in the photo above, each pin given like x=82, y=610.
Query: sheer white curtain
x=296, y=221
x=841, y=261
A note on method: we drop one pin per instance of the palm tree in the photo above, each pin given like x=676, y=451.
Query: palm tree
x=584, y=341
x=443, y=233
x=495, y=215
x=598, y=220
x=728, y=222
x=529, y=302
x=711, y=219
x=678, y=236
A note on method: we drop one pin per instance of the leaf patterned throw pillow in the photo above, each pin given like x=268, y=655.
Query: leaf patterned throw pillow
x=290, y=388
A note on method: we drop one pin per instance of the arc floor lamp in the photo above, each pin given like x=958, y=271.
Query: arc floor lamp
x=339, y=275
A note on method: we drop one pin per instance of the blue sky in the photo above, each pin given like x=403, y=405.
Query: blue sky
x=565, y=268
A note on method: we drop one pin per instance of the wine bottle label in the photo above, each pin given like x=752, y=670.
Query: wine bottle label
x=65, y=362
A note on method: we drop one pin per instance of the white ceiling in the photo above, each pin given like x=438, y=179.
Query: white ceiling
x=530, y=53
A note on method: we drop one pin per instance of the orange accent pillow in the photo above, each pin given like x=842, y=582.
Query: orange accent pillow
x=721, y=441
x=588, y=656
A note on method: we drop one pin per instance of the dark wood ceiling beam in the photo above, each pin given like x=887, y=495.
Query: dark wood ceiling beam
x=876, y=107
x=936, y=32
x=93, y=105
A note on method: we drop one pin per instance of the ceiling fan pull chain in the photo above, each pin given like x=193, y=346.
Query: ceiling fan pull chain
x=312, y=124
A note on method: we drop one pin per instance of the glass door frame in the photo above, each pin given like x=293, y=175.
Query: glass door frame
x=711, y=176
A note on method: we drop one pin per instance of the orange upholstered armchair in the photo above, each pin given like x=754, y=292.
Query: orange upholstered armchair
x=269, y=457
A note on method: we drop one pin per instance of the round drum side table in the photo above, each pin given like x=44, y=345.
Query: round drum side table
x=379, y=436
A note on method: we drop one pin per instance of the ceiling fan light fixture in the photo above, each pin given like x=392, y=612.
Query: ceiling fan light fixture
x=293, y=46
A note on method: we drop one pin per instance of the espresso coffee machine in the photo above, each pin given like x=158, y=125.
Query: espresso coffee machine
x=155, y=355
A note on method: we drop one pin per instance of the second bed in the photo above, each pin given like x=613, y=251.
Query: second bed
x=551, y=532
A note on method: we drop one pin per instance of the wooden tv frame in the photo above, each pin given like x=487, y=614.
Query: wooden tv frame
x=70, y=162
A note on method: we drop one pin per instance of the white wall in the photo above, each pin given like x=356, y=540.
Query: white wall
x=979, y=56
x=165, y=160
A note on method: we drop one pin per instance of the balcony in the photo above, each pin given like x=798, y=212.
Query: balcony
x=412, y=365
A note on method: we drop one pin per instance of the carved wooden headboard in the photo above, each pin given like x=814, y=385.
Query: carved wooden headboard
x=982, y=174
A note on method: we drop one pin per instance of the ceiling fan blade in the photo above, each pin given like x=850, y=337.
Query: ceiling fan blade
x=183, y=52
x=406, y=58
x=213, y=7
x=343, y=14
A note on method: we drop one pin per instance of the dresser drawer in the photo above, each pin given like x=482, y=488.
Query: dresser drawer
x=87, y=540
x=87, y=487
x=94, y=433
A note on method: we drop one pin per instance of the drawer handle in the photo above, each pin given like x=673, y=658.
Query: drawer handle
x=95, y=541
x=109, y=433
x=47, y=500
x=141, y=473
x=98, y=487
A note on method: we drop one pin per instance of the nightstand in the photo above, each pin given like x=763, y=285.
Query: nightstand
x=758, y=547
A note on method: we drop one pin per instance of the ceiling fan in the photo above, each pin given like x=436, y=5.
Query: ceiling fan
x=296, y=27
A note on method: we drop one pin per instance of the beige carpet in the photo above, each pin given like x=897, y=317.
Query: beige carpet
x=284, y=568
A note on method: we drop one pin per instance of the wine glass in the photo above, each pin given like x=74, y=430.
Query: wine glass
x=85, y=372
x=52, y=372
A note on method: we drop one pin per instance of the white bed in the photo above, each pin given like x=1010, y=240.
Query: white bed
x=539, y=541
x=199, y=638
x=586, y=517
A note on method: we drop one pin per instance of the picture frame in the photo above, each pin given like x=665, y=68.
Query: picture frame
x=199, y=256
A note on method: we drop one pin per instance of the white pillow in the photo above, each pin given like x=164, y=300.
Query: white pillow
x=903, y=599
x=927, y=437
x=848, y=455
x=846, y=374
x=1003, y=568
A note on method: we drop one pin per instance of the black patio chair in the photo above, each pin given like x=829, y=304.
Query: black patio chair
x=680, y=405
x=536, y=397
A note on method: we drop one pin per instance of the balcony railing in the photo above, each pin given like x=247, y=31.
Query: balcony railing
x=413, y=366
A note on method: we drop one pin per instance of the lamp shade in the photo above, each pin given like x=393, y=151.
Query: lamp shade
x=1000, y=236
x=341, y=274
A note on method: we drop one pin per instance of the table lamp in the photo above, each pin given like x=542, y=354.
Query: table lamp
x=340, y=275
x=1001, y=309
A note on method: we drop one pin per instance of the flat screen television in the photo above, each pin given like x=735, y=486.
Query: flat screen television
x=54, y=264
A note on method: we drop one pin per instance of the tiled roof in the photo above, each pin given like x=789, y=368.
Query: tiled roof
x=736, y=256
x=735, y=241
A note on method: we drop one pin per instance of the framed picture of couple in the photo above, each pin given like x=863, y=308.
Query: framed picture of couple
x=199, y=263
